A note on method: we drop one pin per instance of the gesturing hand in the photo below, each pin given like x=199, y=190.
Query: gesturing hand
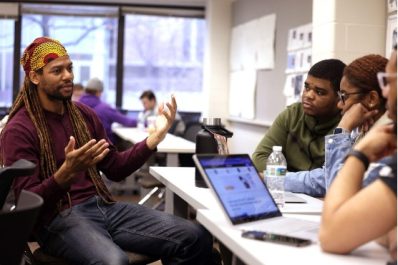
x=166, y=116
x=164, y=121
x=80, y=159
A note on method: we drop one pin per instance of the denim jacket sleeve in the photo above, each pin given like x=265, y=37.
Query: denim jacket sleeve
x=374, y=168
x=315, y=182
x=337, y=147
x=310, y=182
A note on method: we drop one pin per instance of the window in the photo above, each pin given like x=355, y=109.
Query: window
x=163, y=48
x=90, y=37
x=164, y=54
x=6, y=61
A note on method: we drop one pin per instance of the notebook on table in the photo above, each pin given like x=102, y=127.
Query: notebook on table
x=245, y=198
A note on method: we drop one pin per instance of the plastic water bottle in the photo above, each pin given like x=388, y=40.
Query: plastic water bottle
x=141, y=121
x=275, y=175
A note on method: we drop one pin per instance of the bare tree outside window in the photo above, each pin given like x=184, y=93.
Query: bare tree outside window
x=90, y=41
x=164, y=54
x=6, y=61
x=161, y=53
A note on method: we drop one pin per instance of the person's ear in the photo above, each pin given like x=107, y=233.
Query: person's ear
x=34, y=77
x=373, y=100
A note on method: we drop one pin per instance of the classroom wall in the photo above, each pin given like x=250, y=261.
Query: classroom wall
x=341, y=29
x=348, y=29
x=270, y=100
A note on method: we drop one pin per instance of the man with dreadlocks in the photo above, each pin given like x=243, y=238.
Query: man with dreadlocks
x=79, y=221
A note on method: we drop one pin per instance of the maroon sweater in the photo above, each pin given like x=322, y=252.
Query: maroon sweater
x=20, y=140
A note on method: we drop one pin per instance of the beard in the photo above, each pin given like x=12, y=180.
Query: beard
x=56, y=95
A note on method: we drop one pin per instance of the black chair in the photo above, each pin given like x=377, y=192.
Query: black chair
x=191, y=130
x=19, y=168
x=16, y=226
x=16, y=223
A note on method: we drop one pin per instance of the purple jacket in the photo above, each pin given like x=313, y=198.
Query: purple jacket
x=107, y=114
x=20, y=140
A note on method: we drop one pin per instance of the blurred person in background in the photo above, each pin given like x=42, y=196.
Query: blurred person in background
x=145, y=117
x=106, y=113
x=78, y=91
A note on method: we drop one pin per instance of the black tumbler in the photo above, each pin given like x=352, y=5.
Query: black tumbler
x=206, y=144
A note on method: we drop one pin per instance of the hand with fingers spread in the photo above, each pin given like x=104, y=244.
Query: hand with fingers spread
x=164, y=121
x=80, y=159
x=358, y=116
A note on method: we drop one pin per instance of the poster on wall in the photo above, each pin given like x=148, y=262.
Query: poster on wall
x=294, y=84
x=391, y=39
x=391, y=6
x=300, y=37
x=242, y=94
x=252, y=48
x=252, y=44
x=299, y=61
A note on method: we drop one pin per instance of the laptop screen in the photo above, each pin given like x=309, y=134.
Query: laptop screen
x=238, y=186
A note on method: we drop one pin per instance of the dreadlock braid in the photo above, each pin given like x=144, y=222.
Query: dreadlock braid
x=81, y=132
x=29, y=98
x=38, y=54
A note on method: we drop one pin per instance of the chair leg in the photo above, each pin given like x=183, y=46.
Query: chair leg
x=148, y=196
x=28, y=256
x=162, y=199
x=154, y=199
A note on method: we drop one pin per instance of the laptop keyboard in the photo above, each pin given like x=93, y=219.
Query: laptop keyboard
x=288, y=226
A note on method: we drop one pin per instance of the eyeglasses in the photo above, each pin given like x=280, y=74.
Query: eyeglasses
x=344, y=95
x=383, y=77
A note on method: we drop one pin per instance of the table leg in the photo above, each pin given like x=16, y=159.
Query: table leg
x=228, y=257
x=175, y=205
x=172, y=160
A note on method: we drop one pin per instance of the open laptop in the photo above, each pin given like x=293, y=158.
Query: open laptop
x=245, y=198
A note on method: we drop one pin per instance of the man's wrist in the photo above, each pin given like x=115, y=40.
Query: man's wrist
x=60, y=177
x=154, y=139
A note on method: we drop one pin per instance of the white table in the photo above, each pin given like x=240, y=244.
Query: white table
x=180, y=181
x=181, y=192
x=171, y=145
x=256, y=252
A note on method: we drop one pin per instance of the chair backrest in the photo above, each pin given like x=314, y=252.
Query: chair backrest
x=16, y=226
x=19, y=168
x=191, y=130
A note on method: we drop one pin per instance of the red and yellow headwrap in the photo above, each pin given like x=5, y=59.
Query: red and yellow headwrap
x=40, y=52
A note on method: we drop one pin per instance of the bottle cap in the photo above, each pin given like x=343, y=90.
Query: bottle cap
x=277, y=148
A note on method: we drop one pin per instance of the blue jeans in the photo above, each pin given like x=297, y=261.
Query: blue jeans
x=94, y=232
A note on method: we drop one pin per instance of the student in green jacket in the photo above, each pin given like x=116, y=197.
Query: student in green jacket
x=300, y=129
